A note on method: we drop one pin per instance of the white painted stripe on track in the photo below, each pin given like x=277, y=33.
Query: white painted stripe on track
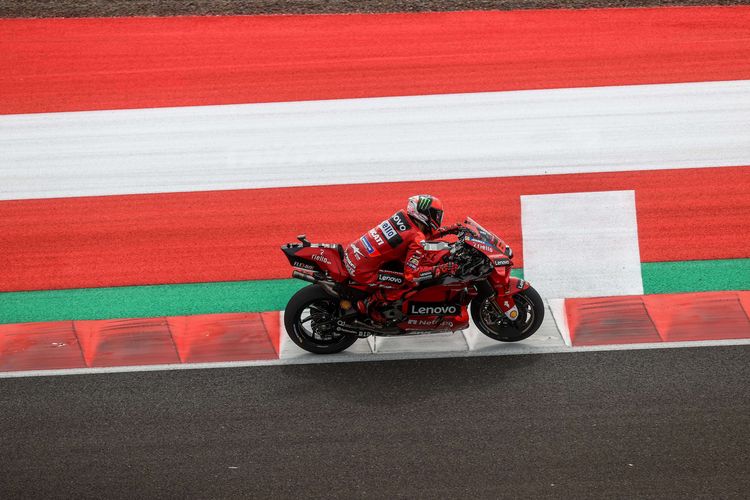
x=501, y=350
x=388, y=139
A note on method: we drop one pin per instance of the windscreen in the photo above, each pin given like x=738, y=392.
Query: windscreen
x=486, y=235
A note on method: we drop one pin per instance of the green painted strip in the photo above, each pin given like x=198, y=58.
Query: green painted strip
x=696, y=276
x=146, y=301
x=272, y=295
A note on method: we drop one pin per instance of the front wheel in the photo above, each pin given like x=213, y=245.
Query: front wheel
x=497, y=326
x=310, y=321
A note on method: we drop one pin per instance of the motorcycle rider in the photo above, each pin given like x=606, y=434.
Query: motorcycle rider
x=400, y=237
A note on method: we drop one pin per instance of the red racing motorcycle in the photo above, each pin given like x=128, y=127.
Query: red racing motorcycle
x=322, y=318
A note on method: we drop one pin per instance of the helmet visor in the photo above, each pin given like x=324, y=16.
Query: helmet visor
x=436, y=217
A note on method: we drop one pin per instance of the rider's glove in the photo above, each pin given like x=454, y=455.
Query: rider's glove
x=448, y=268
x=453, y=228
x=456, y=229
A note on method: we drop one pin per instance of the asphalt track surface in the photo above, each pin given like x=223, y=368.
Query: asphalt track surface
x=663, y=423
x=106, y=8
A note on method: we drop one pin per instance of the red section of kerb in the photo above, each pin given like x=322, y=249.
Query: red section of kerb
x=86, y=64
x=745, y=301
x=222, y=337
x=235, y=235
x=698, y=316
x=205, y=338
x=657, y=318
x=123, y=342
x=609, y=320
x=39, y=346
x=272, y=323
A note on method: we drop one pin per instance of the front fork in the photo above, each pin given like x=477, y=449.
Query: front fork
x=502, y=288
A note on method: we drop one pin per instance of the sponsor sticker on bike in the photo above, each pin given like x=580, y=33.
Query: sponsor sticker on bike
x=303, y=265
x=321, y=258
x=423, y=322
x=482, y=245
x=433, y=309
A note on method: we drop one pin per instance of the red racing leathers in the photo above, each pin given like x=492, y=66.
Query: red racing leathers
x=396, y=238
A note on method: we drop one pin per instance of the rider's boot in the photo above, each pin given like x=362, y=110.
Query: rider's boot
x=369, y=306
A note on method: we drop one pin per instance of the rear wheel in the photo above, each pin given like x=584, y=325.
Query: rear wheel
x=310, y=321
x=497, y=326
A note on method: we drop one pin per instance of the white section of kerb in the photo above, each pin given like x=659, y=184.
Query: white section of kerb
x=581, y=244
x=557, y=308
x=390, y=139
x=434, y=342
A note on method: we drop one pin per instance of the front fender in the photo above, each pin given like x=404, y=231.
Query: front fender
x=516, y=285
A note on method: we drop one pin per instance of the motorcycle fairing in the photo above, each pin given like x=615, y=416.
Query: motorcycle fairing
x=517, y=285
x=322, y=257
x=436, y=324
x=482, y=245
x=437, y=308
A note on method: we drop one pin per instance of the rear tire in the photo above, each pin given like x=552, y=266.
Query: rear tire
x=310, y=320
x=499, y=327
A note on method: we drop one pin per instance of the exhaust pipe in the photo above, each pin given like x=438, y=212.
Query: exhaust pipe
x=302, y=276
x=328, y=286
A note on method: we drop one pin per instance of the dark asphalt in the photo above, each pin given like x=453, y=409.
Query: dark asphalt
x=670, y=423
x=108, y=8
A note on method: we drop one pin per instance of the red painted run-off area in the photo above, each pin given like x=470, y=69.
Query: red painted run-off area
x=85, y=64
x=235, y=235
x=658, y=318
x=123, y=342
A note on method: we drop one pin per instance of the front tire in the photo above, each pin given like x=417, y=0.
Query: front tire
x=310, y=321
x=498, y=327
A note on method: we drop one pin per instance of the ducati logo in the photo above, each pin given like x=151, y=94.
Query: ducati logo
x=376, y=237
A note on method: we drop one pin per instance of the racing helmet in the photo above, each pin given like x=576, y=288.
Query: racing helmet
x=426, y=209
